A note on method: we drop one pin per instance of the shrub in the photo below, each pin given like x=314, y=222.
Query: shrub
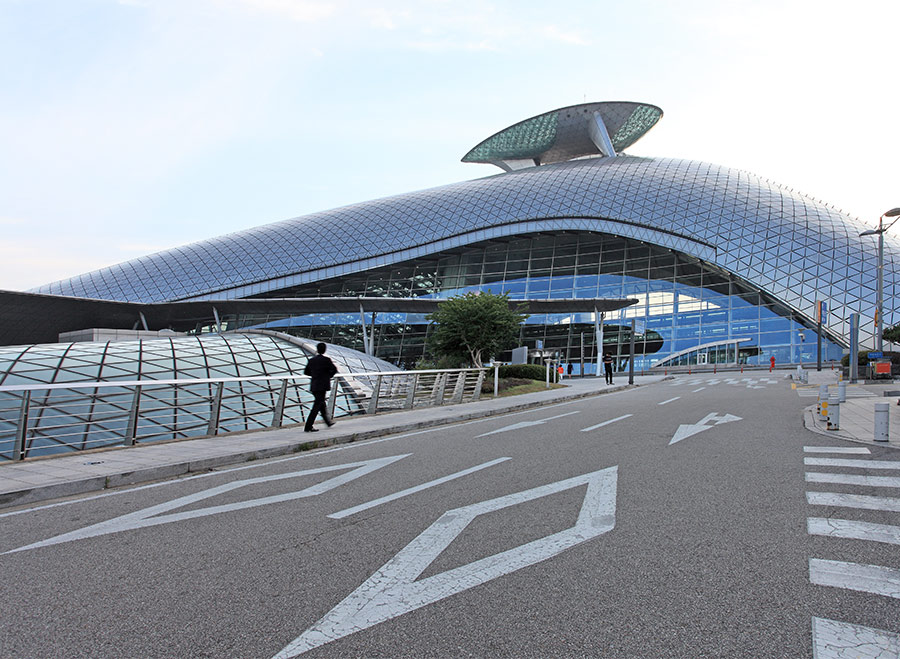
x=863, y=358
x=527, y=371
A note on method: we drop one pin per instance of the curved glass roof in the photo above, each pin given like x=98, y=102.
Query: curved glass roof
x=779, y=240
x=84, y=418
x=565, y=134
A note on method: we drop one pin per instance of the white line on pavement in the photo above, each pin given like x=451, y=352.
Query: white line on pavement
x=526, y=424
x=853, y=530
x=841, y=640
x=665, y=402
x=855, y=576
x=856, y=464
x=862, y=501
x=412, y=490
x=698, y=389
x=858, y=450
x=605, y=423
x=845, y=479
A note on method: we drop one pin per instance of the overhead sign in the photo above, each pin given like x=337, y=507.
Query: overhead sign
x=876, y=355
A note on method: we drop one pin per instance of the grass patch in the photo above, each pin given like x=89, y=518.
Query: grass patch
x=515, y=386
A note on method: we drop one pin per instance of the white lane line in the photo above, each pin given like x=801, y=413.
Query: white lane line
x=853, y=530
x=856, y=464
x=861, y=501
x=855, y=576
x=665, y=402
x=526, y=424
x=845, y=479
x=268, y=463
x=858, y=450
x=605, y=423
x=412, y=490
x=698, y=389
x=841, y=640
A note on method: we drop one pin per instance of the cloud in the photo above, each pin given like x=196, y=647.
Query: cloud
x=555, y=33
x=301, y=11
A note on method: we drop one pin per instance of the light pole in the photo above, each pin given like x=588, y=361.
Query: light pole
x=879, y=302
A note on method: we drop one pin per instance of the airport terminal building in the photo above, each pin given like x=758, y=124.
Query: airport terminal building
x=721, y=265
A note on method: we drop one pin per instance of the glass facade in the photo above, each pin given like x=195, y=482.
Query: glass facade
x=682, y=302
x=82, y=418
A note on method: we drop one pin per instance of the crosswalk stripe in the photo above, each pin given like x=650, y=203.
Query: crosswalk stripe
x=856, y=464
x=842, y=640
x=846, y=479
x=853, y=530
x=861, y=501
x=874, y=579
x=859, y=450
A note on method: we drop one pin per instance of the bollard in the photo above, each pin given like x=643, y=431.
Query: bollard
x=823, y=397
x=842, y=391
x=834, y=413
x=823, y=408
x=882, y=410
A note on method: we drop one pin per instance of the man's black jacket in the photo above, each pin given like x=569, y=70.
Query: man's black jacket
x=320, y=369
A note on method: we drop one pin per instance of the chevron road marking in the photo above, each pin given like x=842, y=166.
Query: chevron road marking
x=412, y=490
x=153, y=516
x=842, y=640
x=394, y=590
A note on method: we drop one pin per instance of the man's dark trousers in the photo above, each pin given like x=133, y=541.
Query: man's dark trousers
x=318, y=406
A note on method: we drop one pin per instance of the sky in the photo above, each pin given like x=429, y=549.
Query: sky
x=132, y=126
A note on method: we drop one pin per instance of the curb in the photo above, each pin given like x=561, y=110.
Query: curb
x=809, y=422
x=136, y=476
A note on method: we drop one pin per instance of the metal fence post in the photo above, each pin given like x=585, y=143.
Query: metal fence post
x=411, y=393
x=459, y=388
x=332, y=399
x=882, y=421
x=373, y=401
x=215, y=407
x=497, y=378
x=278, y=412
x=133, y=415
x=438, y=391
x=22, y=427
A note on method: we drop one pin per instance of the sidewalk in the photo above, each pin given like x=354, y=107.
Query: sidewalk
x=90, y=471
x=857, y=415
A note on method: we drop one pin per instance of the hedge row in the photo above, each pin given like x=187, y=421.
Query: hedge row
x=527, y=371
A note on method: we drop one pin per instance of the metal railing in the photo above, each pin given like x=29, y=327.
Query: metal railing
x=45, y=419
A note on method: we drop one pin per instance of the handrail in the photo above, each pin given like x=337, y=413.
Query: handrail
x=47, y=419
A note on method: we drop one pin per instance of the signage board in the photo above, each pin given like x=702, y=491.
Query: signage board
x=876, y=355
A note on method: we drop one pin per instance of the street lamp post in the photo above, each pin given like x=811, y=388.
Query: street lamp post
x=879, y=301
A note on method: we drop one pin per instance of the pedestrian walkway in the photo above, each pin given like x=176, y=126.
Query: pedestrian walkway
x=857, y=414
x=90, y=471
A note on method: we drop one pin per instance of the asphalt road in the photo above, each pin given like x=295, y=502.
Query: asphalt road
x=578, y=529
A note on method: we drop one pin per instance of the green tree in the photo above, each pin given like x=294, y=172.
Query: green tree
x=891, y=334
x=474, y=327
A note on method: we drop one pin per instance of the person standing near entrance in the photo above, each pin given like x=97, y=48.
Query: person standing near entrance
x=320, y=370
x=607, y=367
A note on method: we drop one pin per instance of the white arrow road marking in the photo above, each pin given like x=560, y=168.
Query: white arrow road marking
x=525, y=424
x=152, y=516
x=605, y=423
x=853, y=530
x=841, y=640
x=855, y=576
x=413, y=490
x=685, y=430
x=393, y=589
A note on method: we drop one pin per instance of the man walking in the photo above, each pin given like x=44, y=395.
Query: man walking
x=607, y=366
x=320, y=370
